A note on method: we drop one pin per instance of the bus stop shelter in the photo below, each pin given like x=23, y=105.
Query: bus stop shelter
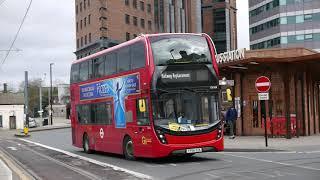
x=293, y=107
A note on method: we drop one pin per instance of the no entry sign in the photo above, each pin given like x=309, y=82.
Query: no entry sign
x=263, y=84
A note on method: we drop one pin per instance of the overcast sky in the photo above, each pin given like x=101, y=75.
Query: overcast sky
x=48, y=35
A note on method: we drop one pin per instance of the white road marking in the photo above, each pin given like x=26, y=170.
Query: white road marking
x=172, y=164
x=275, y=162
x=12, y=148
x=213, y=176
x=117, y=168
x=264, y=174
x=238, y=174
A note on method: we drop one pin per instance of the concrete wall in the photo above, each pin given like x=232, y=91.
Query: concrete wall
x=12, y=110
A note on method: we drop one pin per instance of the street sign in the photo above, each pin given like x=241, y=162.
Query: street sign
x=263, y=84
x=263, y=96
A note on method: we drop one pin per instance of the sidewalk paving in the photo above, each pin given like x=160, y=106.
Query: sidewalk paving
x=5, y=172
x=252, y=143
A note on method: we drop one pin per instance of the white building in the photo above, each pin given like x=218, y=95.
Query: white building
x=11, y=110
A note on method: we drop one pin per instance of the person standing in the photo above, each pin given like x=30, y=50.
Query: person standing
x=231, y=118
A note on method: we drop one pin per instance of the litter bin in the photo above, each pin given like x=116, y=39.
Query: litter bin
x=45, y=122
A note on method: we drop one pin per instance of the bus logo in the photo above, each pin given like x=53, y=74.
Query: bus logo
x=145, y=140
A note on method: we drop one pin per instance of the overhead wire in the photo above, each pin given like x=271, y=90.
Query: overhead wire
x=16, y=36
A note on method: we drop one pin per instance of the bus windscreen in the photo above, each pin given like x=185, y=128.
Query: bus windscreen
x=180, y=49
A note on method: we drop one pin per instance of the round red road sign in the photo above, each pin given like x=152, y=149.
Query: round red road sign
x=263, y=84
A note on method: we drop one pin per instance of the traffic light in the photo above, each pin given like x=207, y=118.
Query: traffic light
x=229, y=96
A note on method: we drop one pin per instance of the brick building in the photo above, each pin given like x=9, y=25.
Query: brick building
x=104, y=23
x=219, y=20
x=294, y=94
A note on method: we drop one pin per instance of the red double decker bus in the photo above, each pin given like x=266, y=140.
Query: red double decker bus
x=153, y=96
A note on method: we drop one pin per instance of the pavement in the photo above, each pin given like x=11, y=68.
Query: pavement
x=5, y=172
x=257, y=143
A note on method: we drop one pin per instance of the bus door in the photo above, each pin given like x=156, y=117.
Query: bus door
x=142, y=130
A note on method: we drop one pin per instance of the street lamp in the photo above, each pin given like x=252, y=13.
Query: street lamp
x=51, y=93
x=40, y=96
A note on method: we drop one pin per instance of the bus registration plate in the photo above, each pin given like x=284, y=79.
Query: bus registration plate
x=194, y=150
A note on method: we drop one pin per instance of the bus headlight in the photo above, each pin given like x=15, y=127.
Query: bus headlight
x=219, y=134
x=161, y=136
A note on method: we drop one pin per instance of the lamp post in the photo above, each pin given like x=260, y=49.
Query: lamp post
x=40, y=96
x=51, y=94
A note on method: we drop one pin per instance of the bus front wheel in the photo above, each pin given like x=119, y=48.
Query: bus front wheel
x=86, y=144
x=128, y=148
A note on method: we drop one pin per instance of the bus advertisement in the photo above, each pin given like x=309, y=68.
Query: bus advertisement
x=154, y=96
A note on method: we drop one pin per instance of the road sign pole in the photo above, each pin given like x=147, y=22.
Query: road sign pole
x=263, y=85
x=265, y=122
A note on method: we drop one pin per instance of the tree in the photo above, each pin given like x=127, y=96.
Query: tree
x=33, y=95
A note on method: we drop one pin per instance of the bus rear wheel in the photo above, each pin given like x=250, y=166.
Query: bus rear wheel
x=85, y=144
x=128, y=150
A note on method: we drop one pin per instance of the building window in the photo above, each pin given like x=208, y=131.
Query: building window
x=78, y=43
x=142, y=23
x=85, y=22
x=127, y=36
x=308, y=37
x=77, y=28
x=283, y=20
x=284, y=40
x=149, y=25
x=135, y=21
x=141, y=5
x=134, y=3
x=89, y=37
x=81, y=7
x=149, y=8
x=299, y=19
x=127, y=19
x=89, y=19
x=81, y=24
x=81, y=43
x=88, y=3
x=76, y=9
x=300, y=37
x=127, y=2
x=308, y=17
x=84, y=4
x=85, y=40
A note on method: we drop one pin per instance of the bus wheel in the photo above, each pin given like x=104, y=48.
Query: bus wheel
x=85, y=142
x=128, y=149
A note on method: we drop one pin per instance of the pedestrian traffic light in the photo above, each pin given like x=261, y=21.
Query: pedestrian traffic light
x=229, y=96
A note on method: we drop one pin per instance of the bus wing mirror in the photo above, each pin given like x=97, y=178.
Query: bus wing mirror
x=142, y=105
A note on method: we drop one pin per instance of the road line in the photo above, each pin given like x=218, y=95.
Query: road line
x=264, y=174
x=117, y=168
x=213, y=176
x=275, y=162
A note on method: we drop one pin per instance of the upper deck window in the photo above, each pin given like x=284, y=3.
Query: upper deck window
x=180, y=49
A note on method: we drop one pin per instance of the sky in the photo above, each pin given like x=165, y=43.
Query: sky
x=48, y=36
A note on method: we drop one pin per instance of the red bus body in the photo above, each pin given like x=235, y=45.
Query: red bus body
x=146, y=142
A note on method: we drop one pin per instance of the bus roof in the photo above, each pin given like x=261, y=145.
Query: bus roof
x=142, y=36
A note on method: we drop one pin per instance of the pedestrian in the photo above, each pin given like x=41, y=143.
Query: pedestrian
x=231, y=118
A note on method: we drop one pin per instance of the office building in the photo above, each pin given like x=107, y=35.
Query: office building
x=219, y=20
x=284, y=24
x=105, y=23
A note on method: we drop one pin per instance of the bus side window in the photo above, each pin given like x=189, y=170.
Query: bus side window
x=142, y=112
x=74, y=73
x=137, y=52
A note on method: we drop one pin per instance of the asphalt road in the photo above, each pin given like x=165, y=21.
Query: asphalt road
x=224, y=165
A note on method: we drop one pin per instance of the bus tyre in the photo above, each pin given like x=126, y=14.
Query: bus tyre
x=128, y=149
x=86, y=146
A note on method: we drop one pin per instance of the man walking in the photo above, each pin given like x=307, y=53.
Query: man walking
x=231, y=118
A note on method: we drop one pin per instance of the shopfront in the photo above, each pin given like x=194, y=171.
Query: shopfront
x=293, y=105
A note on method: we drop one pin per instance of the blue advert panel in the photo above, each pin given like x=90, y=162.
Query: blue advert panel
x=118, y=89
